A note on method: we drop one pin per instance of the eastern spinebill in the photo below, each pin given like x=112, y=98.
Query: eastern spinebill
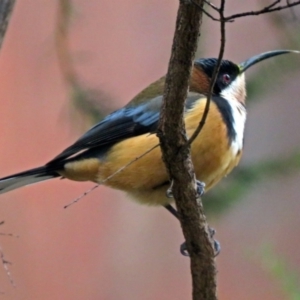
x=129, y=132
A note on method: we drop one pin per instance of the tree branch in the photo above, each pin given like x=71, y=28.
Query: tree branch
x=176, y=155
x=84, y=100
x=214, y=75
x=268, y=9
x=6, y=7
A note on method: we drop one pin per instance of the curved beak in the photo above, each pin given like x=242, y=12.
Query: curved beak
x=257, y=58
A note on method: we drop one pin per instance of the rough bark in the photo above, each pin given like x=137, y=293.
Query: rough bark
x=176, y=153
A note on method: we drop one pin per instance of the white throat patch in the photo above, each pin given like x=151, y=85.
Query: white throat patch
x=235, y=94
x=236, y=90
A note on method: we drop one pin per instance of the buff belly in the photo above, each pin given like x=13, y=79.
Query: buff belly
x=146, y=179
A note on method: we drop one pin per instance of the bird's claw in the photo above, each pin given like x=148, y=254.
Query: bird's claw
x=217, y=247
x=169, y=192
x=200, y=189
x=183, y=249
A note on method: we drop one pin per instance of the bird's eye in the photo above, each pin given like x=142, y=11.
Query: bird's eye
x=226, y=79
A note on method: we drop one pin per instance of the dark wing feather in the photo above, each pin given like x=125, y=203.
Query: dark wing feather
x=124, y=123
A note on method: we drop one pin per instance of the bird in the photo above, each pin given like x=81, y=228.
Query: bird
x=121, y=150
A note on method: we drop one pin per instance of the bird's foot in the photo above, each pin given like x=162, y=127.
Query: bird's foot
x=217, y=246
x=200, y=189
x=169, y=192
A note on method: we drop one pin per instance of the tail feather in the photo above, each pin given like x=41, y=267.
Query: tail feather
x=18, y=180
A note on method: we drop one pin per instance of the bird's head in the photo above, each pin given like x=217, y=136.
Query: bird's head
x=230, y=82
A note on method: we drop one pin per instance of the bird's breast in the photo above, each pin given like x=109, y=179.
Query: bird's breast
x=135, y=164
x=218, y=147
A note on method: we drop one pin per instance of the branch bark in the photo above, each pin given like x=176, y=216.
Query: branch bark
x=176, y=153
x=6, y=7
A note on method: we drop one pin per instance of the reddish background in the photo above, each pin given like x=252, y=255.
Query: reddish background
x=106, y=247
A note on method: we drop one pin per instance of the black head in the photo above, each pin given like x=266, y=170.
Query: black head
x=227, y=74
x=230, y=82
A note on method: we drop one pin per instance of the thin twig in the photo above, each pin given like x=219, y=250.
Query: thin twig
x=267, y=9
x=212, y=6
x=9, y=234
x=5, y=264
x=214, y=76
x=273, y=4
x=110, y=176
x=81, y=196
x=209, y=15
x=294, y=16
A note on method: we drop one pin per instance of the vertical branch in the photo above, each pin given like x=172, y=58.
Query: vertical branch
x=6, y=7
x=176, y=154
x=215, y=72
x=84, y=100
x=62, y=39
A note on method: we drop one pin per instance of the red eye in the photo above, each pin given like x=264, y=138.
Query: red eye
x=226, y=79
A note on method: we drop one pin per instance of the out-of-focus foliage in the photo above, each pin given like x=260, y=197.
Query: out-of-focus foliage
x=90, y=104
x=284, y=275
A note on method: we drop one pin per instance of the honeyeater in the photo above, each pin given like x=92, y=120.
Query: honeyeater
x=124, y=135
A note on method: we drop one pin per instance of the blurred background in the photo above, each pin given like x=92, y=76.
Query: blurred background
x=64, y=64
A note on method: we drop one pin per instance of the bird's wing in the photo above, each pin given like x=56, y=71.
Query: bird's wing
x=126, y=122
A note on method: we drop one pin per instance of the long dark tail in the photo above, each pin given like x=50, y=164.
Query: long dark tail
x=18, y=180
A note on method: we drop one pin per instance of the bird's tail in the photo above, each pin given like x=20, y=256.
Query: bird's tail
x=18, y=180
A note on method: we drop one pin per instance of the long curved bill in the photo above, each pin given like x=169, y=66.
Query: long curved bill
x=257, y=58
